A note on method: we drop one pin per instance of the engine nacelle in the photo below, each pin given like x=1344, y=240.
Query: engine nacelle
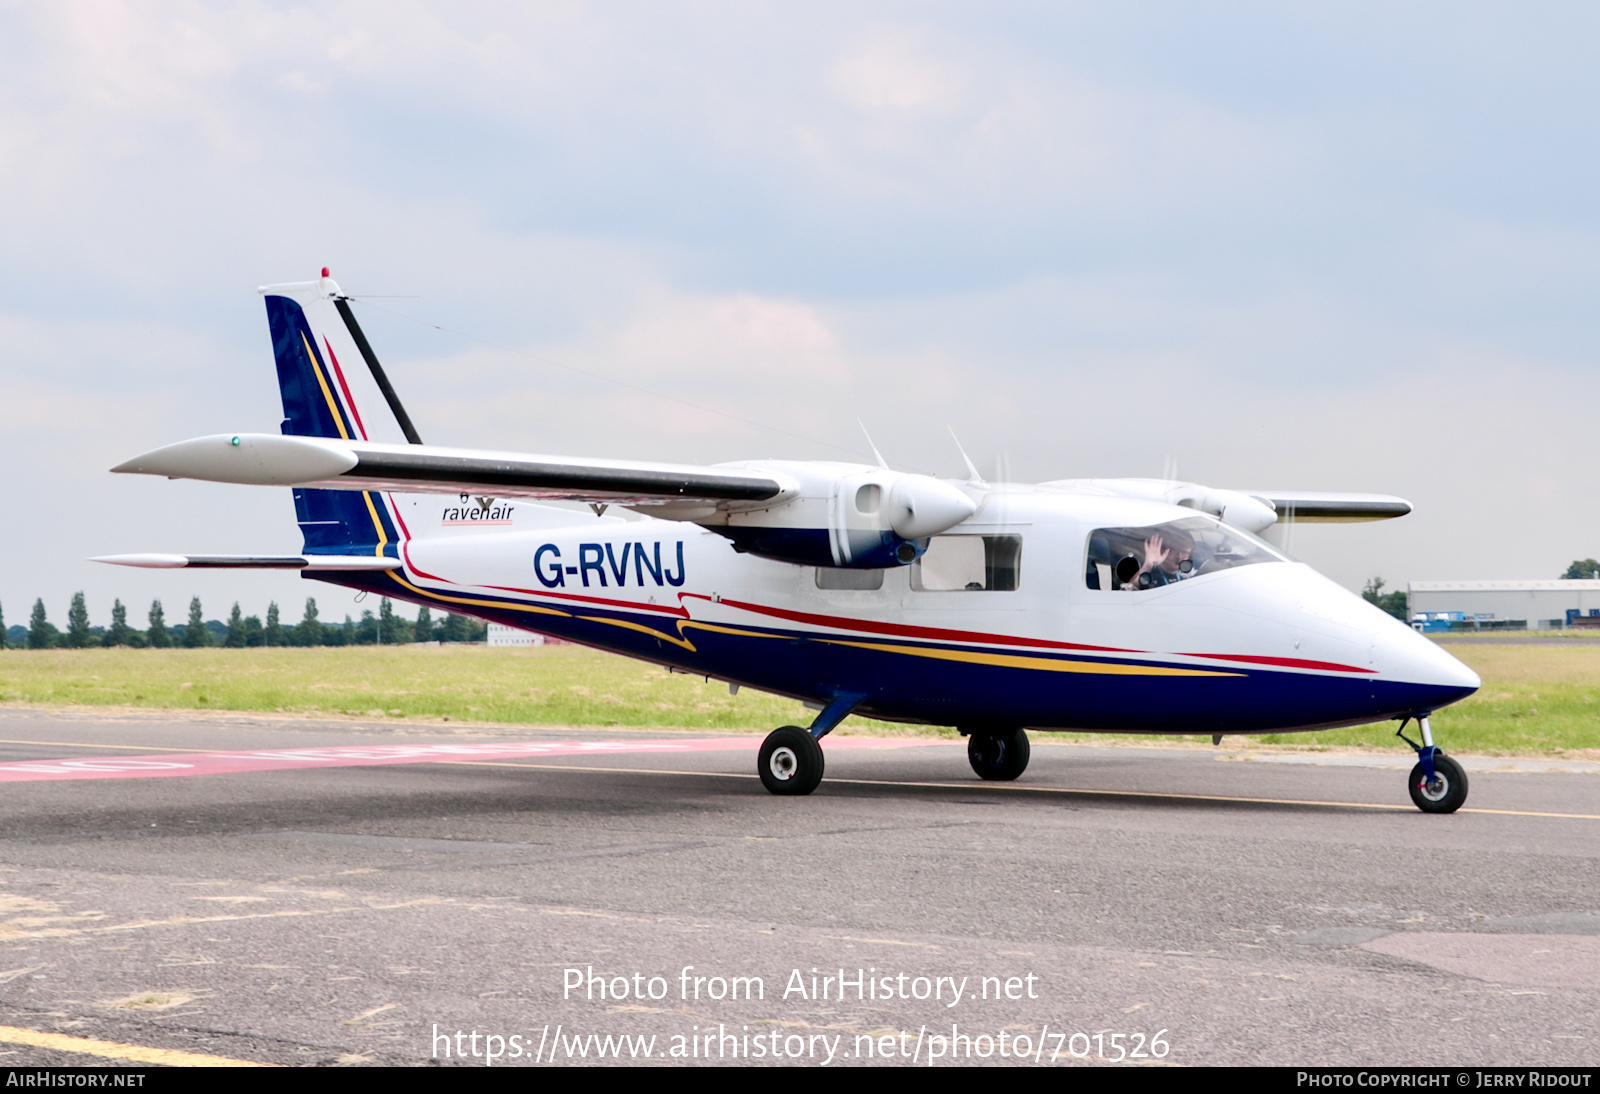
x=1253, y=514
x=847, y=515
x=1241, y=510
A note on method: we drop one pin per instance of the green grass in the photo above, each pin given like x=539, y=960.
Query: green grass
x=550, y=685
x=1536, y=700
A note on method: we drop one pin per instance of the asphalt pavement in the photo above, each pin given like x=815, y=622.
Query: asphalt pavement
x=343, y=895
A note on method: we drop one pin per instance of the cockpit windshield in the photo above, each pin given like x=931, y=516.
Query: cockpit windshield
x=1163, y=554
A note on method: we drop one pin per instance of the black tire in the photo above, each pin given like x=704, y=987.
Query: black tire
x=999, y=755
x=1447, y=791
x=790, y=761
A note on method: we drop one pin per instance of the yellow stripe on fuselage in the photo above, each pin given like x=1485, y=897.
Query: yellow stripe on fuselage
x=713, y=628
x=628, y=624
x=1041, y=664
x=683, y=625
x=506, y=605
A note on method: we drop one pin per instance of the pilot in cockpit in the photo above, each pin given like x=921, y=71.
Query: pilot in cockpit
x=1162, y=554
x=1166, y=561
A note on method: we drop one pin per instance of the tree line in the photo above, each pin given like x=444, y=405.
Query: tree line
x=241, y=631
x=1394, y=603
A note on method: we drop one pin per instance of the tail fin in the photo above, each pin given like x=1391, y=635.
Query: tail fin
x=317, y=403
x=316, y=398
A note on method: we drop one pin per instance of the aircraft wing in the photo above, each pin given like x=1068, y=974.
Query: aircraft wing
x=266, y=459
x=1315, y=506
x=252, y=562
x=1252, y=510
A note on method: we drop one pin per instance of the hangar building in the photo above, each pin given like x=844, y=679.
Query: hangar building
x=1512, y=605
x=502, y=635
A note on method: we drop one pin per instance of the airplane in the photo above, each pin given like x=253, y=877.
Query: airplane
x=1101, y=605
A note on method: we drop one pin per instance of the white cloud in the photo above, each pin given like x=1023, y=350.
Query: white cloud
x=889, y=71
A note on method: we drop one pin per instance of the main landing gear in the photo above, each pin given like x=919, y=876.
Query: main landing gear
x=1437, y=784
x=999, y=755
x=790, y=760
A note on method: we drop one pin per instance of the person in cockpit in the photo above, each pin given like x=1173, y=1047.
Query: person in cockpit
x=1156, y=555
x=1165, y=561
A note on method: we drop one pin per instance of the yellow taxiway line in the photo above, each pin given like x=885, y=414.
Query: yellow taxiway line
x=1150, y=794
x=117, y=1051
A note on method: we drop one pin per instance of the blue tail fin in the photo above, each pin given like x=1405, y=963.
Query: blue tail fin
x=317, y=403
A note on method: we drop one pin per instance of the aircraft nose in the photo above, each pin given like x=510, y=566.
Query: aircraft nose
x=1402, y=655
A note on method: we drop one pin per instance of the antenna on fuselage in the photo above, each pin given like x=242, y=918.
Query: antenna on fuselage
x=875, y=452
x=972, y=470
x=389, y=396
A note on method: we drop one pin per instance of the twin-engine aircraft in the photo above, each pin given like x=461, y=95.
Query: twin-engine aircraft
x=1105, y=605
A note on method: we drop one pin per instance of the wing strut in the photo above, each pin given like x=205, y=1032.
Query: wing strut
x=377, y=370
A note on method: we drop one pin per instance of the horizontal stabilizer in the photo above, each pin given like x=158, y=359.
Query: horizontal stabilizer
x=252, y=562
x=1315, y=506
x=269, y=460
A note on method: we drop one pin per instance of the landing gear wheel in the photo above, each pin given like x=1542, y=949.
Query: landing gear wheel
x=1000, y=756
x=1447, y=790
x=790, y=761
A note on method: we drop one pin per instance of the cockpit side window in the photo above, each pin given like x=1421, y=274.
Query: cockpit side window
x=1132, y=559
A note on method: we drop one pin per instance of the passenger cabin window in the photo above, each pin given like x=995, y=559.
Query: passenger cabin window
x=833, y=577
x=1132, y=559
x=969, y=563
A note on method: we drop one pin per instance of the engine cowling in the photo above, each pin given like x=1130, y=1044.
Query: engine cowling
x=1248, y=511
x=849, y=516
x=1241, y=510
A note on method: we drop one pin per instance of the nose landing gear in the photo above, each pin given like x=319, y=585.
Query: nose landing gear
x=1437, y=783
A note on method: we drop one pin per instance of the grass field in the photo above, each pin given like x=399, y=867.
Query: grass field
x=1536, y=700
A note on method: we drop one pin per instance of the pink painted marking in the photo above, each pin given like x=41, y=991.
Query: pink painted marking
x=288, y=759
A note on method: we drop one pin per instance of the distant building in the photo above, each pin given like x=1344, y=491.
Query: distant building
x=1503, y=605
x=502, y=635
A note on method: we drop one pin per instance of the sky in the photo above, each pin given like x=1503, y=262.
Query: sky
x=1339, y=246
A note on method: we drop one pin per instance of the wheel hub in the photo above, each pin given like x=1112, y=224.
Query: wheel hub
x=784, y=763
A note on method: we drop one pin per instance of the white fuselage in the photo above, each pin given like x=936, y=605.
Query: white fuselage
x=1270, y=646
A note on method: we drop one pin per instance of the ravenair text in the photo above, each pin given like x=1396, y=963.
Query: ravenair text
x=477, y=510
x=607, y=564
x=854, y=985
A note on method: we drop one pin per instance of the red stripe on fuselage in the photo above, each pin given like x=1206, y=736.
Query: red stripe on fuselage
x=907, y=631
x=1285, y=662
x=1000, y=639
x=405, y=544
